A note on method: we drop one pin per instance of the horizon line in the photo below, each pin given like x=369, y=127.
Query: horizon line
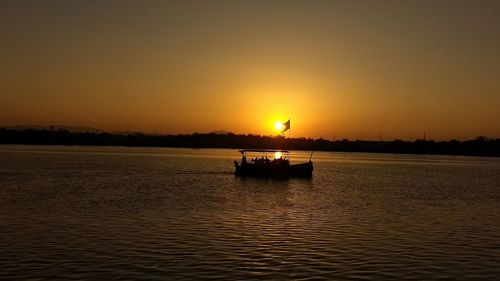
x=87, y=129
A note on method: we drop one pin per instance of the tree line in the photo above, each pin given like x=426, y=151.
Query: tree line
x=480, y=146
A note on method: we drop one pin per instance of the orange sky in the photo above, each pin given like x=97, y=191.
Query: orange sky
x=336, y=68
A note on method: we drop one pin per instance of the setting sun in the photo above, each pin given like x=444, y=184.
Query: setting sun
x=278, y=126
x=277, y=155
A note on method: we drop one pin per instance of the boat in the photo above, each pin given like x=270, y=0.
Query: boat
x=278, y=167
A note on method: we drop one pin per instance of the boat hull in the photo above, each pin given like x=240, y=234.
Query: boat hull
x=303, y=170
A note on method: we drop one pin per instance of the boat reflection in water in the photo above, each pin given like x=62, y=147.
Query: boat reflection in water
x=278, y=167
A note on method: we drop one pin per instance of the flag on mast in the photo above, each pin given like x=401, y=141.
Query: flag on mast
x=286, y=126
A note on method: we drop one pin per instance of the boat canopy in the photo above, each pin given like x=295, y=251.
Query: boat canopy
x=244, y=151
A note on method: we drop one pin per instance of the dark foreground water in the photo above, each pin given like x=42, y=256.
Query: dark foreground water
x=151, y=213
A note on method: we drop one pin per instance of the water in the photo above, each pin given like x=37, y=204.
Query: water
x=159, y=213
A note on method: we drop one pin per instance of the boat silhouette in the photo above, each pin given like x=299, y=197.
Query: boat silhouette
x=278, y=167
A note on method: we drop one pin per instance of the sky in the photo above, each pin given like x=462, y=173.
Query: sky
x=337, y=69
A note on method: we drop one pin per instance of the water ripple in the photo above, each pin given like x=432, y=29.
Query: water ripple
x=127, y=216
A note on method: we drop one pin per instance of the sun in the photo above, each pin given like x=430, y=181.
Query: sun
x=278, y=126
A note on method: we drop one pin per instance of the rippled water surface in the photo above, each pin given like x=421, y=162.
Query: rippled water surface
x=159, y=213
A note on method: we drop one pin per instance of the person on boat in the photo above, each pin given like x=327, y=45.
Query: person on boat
x=243, y=160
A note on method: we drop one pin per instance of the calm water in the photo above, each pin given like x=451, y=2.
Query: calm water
x=157, y=213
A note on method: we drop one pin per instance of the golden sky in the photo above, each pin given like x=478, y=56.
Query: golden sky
x=344, y=69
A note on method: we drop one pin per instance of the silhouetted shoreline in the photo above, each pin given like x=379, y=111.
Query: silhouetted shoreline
x=480, y=146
